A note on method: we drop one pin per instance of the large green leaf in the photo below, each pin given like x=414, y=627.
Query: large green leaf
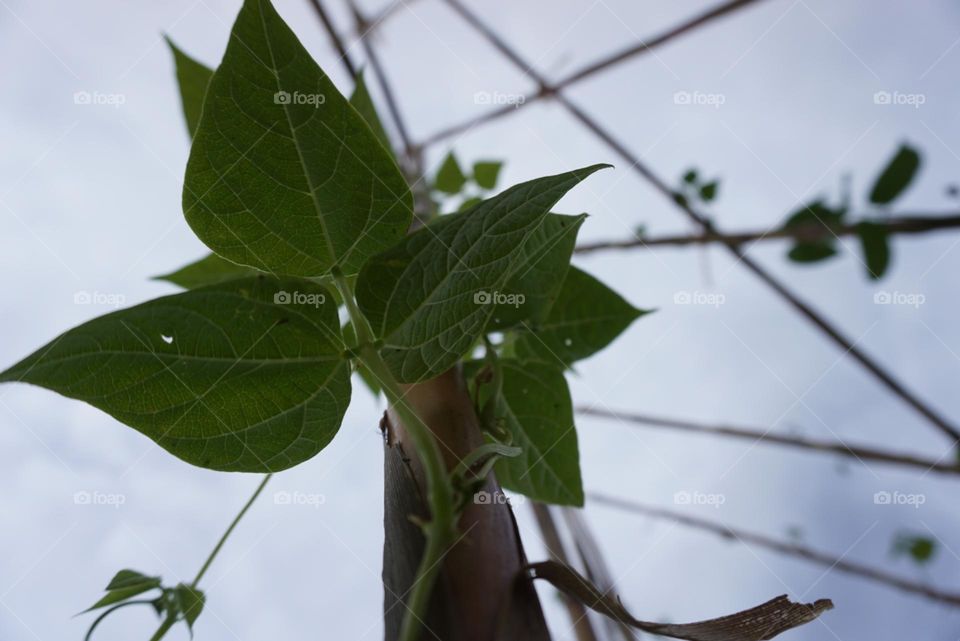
x=209, y=270
x=586, y=317
x=536, y=410
x=429, y=298
x=284, y=175
x=896, y=176
x=243, y=376
x=193, y=78
x=361, y=100
x=538, y=276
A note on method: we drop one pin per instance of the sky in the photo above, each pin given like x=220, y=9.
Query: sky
x=783, y=109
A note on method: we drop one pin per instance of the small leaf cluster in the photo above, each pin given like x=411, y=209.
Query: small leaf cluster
x=452, y=186
x=816, y=223
x=181, y=602
x=695, y=189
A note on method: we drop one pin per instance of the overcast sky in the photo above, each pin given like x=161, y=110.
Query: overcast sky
x=90, y=203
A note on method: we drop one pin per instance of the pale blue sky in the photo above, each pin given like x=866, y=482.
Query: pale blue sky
x=90, y=202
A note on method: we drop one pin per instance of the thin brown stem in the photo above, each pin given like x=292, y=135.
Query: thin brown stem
x=557, y=552
x=902, y=224
x=765, y=437
x=843, y=342
x=782, y=547
x=334, y=36
x=644, y=46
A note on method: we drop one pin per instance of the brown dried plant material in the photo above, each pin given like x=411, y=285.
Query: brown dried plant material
x=762, y=622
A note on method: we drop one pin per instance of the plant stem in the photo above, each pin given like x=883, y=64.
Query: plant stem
x=169, y=621
x=226, y=535
x=439, y=531
x=163, y=629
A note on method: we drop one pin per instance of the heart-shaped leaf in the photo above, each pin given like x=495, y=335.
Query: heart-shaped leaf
x=586, y=317
x=192, y=78
x=284, y=175
x=245, y=376
x=431, y=297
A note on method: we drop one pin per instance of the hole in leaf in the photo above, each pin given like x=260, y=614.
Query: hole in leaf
x=167, y=339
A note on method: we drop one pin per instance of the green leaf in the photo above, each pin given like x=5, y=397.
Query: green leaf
x=876, y=248
x=191, y=602
x=245, y=376
x=486, y=173
x=811, y=252
x=124, y=585
x=536, y=410
x=193, y=78
x=427, y=297
x=586, y=317
x=919, y=548
x=538, y=276
x=450, y=178
x=284, y=175
x=690, y=177
x=469, y=203
x=817, y=220
x=709, y=191
x=361, y=100
x=896, y=176
x=209, y=270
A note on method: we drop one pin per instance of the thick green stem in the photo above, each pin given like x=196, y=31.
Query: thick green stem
x=163, y=629
x=440, y=530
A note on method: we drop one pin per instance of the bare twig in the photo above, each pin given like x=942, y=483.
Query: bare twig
x=825, y=326
x=765, y=437
x=903, y=224
x=644, y=46
x=782, y=547
x=334, y=37
x=551, y=539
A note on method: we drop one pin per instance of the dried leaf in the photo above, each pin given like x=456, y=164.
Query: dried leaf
x=762, y=622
